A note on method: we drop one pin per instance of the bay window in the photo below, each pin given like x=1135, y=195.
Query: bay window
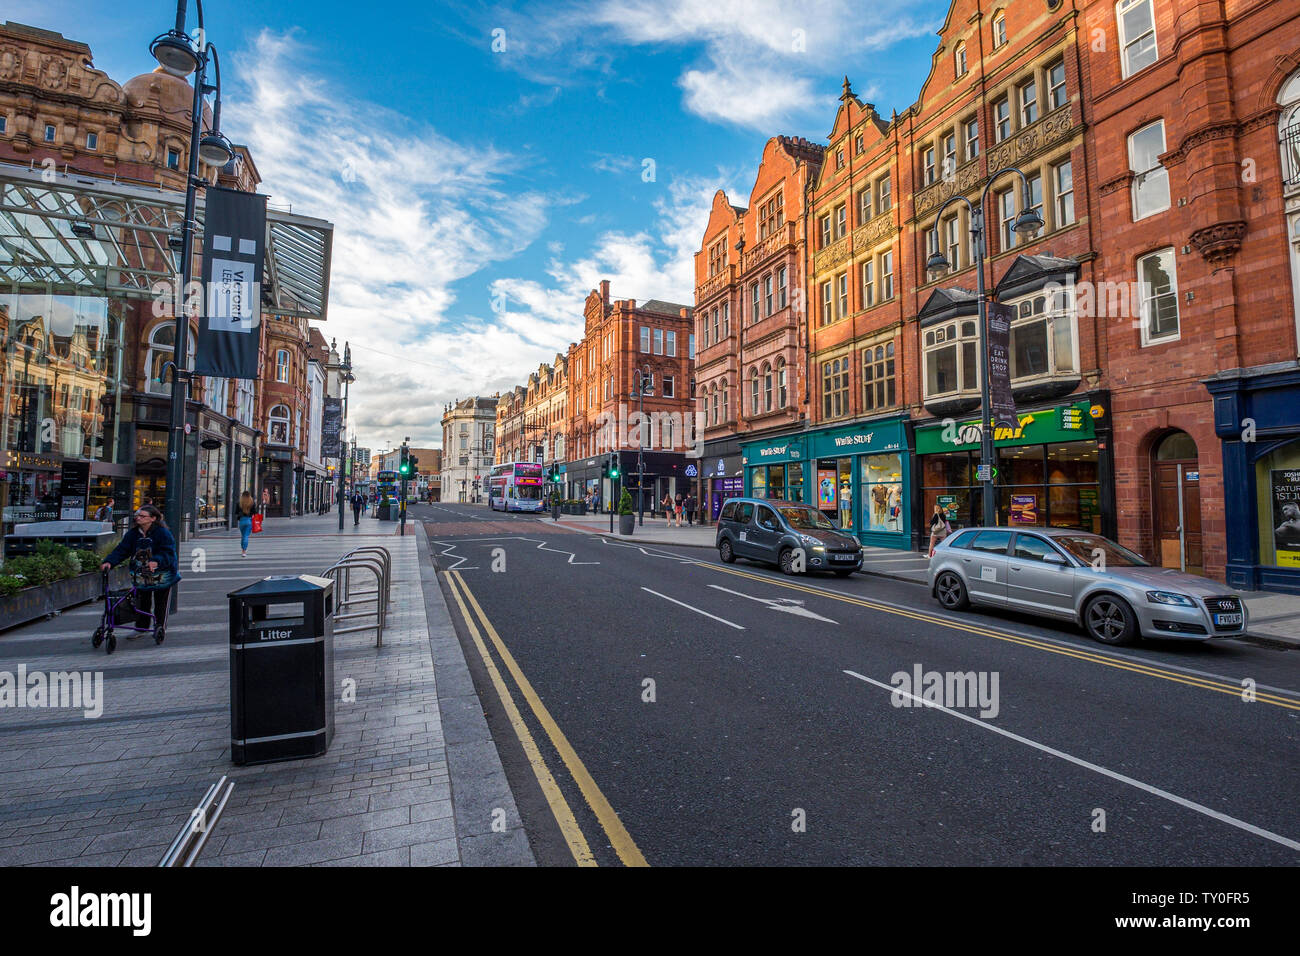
x=950, y=358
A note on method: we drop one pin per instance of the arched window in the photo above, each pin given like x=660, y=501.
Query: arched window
x=753, y=391
x=726, y=415
x=216, y=389
x=959, y=60
x=162, y=346
x=277, y=425
x=282, y=365
x=1289, y=131
x=767, y=388
x=781, y=394
x=714, y=394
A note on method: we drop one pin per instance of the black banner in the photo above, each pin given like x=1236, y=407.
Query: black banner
x=330, y=426
x=234, y=241
x=1002, y=407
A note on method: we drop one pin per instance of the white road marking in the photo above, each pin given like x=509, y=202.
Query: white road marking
x=788, y=605
x=1077, y=761
x=447, y=553
x=695, y=609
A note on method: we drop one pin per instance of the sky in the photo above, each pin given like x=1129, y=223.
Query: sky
x=486, y=165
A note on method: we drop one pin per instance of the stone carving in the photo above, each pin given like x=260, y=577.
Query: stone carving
x=965, y=179
x=1219, y=243
x=874, y=231
x=1052, y=128
x=834, y=254
x=11, y=63
x=1121, y=181
x=54, y=73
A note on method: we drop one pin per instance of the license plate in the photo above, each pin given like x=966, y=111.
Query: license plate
x=1223, y=620
x=844, y=557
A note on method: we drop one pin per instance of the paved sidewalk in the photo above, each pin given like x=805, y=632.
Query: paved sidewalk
x=115, y=790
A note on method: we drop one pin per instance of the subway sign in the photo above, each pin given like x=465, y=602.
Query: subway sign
x=1061, y=424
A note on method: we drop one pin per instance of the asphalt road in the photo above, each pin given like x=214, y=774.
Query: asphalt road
x=692, y=713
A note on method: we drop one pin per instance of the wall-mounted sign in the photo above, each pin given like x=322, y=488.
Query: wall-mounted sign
x=74, y=485
x=1285, y=490
x=691, y=471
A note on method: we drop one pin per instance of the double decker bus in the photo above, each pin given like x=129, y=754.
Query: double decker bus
x=516, y=486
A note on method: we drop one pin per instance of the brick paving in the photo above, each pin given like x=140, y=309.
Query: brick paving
x=115, y=790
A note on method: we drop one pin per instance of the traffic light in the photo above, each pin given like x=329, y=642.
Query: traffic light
x=404, y=464
x=613, y=465
x=604, y=468
x=412, y=461
x=555, y=474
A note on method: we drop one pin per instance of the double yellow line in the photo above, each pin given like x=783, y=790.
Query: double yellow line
x=615, y=832
x=1148, y=670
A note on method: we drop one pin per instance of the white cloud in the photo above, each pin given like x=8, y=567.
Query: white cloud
x=762, y=63
x=414, y=212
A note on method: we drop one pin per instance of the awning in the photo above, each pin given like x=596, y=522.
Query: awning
x=73, y=234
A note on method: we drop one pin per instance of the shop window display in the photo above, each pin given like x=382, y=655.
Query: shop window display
x=882, y=493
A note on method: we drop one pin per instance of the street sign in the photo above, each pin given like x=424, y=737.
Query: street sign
x=982, y=473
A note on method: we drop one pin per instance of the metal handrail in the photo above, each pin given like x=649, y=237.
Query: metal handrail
x=193, y=837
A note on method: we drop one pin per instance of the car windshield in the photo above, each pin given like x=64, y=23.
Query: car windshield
x=806, y=519
x=1089, y=547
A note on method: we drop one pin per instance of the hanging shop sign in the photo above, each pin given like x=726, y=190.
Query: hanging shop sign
x=331, y=424
x=1001, y=403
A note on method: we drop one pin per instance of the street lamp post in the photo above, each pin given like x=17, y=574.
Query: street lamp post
x=1027, y=224
x=176, y=54
x=642, y=379
x=347, y=378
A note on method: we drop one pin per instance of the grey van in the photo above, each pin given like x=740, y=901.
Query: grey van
x=774, y=531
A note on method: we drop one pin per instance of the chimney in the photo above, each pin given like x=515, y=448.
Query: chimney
x=604, y=291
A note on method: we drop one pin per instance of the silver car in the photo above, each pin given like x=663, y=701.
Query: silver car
x=1082, y=577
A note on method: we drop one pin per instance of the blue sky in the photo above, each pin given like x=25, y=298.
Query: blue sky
x=479, y=193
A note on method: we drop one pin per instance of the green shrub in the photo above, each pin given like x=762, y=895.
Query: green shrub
x=625, y=503
x=11, y=584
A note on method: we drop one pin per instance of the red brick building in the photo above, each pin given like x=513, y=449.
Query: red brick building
x=622, y=338
x=751, y=315
x=1189, y=104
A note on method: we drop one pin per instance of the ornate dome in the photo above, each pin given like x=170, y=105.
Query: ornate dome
x=172, y=95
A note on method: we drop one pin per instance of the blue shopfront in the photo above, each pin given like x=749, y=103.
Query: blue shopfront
x=858, y=475
x=1257, y=419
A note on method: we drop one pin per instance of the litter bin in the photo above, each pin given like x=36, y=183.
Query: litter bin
x=281, y=669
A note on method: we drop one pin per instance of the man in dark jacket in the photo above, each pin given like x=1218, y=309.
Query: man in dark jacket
x=357, y=502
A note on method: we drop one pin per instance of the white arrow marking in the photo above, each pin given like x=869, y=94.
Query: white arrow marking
x=788, y=605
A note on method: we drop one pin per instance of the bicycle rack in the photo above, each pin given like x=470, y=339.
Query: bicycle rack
x=189, y=843
x=378, y=562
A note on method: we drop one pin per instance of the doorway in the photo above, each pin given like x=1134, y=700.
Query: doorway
x=1176, y=503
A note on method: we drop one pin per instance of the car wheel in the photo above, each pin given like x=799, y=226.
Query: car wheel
x=1110, y=620
x=786, y=561
x=951, y=592
x=725, y=553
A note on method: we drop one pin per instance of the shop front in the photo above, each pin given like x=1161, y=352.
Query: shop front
x=862, y=476
x=276, y=476
x=212, y=497
x=1257, y=420
x=720, y=478
x=776, y=468
x=1053, y=469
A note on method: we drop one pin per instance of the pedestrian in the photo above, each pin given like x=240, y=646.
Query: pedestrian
x=245, y=510
x=358, y=499
x=151, y=545
x=690, y=509
x=667, y=505
x=679, y=508
x=105, y=511
x=939, y=527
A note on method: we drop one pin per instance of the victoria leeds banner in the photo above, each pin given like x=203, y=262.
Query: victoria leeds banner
x=234, y=240
x=331, y=423
x=1002, y=407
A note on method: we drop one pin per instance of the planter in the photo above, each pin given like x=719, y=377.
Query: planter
x=32, y=604
x=626, y=524
x=555, y=512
